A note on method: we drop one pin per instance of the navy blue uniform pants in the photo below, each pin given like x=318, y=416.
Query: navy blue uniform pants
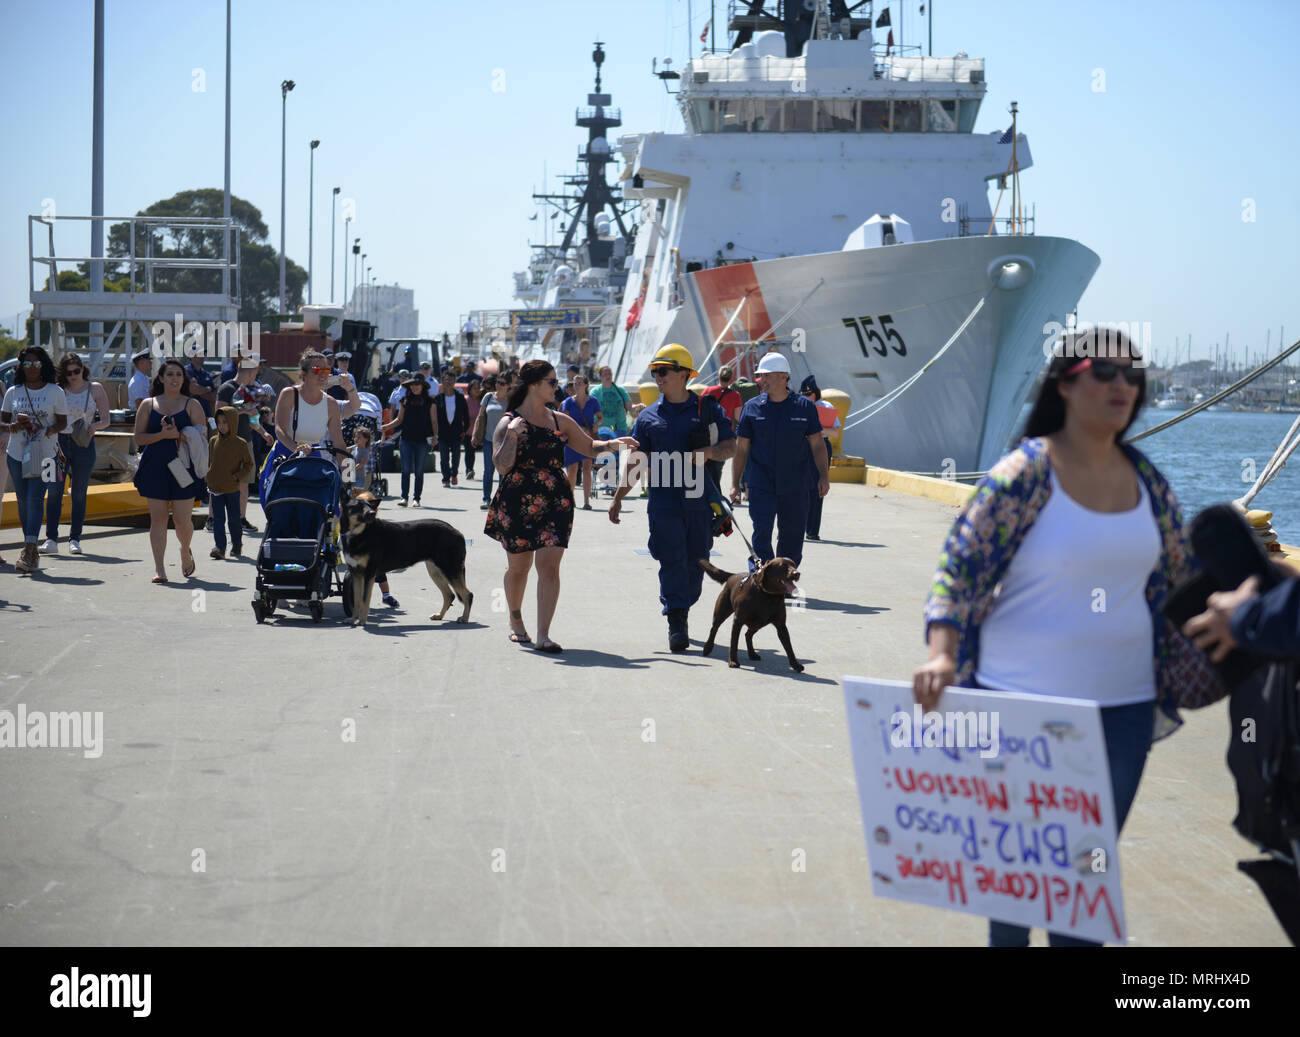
x=678, y=540
x=815, y=498
x=789, y=511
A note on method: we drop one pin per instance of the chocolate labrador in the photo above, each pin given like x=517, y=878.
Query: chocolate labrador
x=756, y=599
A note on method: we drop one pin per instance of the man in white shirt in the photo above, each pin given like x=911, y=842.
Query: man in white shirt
x=137, y=388
x=395, y=397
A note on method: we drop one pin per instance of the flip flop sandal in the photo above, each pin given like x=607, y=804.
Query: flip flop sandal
x=188, y=571
x=520, y=639
x=159, y=579
x=549, y=647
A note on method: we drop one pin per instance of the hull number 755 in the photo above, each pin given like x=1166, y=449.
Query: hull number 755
x=865, y=328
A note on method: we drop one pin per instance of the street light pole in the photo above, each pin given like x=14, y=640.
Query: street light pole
x=285, y=86
x=311, y=218
x=333, y=224
x=356, y=264
x=365, y=304
x=347, y=225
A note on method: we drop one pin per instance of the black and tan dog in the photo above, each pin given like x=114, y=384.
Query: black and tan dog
x=757, y=599
x=373, y=548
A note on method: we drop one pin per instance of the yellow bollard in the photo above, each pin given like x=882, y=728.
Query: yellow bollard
x=841, y=401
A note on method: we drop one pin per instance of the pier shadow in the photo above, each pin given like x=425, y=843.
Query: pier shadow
x=402, y=629
x=585, y=657
x=44, y=576
x=817, y=605
x=197, y=581
x=772, y=664
x=98, y=559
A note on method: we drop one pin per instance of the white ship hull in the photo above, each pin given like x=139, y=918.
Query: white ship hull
x=961, y=413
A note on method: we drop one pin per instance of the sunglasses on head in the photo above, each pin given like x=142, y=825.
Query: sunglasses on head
x=1106, y=370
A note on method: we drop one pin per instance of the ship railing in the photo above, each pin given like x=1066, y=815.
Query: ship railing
x=613, y=116
x=976, y=226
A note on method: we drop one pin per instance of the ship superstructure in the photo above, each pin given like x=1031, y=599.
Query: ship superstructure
x=828, y=195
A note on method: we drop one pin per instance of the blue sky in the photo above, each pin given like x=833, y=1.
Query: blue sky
x=1197, y=115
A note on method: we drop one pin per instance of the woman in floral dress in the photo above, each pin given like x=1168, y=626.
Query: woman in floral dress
x=532, y=511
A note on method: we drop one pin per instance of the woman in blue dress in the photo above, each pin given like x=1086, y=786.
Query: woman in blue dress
x=585, y=411
x=159, y=422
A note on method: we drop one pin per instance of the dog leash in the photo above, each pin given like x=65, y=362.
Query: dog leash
x=753, y=555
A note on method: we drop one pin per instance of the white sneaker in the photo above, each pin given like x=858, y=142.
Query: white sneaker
x=50, y=547
x=74, y=546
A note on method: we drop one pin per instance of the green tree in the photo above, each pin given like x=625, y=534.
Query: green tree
x=259, y=264
x=9, y=346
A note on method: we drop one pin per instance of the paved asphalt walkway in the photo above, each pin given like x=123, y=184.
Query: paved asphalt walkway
x=431, y=783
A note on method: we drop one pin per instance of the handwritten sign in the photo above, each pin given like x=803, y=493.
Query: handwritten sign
x=544, y=318
x=1000, y=805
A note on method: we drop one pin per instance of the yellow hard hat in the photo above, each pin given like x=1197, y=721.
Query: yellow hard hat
x=676, y=356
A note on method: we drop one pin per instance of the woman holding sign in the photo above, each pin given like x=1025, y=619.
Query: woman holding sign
x=1054, y=574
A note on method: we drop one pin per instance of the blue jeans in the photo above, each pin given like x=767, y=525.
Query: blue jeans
x=81, y=462
x=31, y=495
x=413, y=452
x=1128, y=740
x=224, y=508
x=489, y=470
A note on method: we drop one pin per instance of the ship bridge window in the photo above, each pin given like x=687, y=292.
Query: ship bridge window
x=907, y=116
x=967, y=111
x=836, y=117
x=748, y=115
x=874, y=117
x=941, y=116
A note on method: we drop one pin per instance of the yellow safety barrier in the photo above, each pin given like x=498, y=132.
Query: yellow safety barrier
x=105, y=502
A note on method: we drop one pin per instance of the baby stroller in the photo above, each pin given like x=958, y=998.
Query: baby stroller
x=299, y=559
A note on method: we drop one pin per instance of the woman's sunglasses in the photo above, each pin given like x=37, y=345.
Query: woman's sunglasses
x=318, y=370
x=31, y=363
x=74, y=370
x=552, y=382
x=1106, y=370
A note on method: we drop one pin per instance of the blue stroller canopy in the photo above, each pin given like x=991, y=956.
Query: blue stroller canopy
x=314, y=478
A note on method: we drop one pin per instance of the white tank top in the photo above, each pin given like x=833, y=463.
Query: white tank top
x=81, y=405
x=1071, y=618
x=313, y=420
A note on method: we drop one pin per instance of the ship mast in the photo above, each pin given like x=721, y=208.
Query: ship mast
x=598, y=119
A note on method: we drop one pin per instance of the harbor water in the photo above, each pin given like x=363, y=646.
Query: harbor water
x=1215, y=456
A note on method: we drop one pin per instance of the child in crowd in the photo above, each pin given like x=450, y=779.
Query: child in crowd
x=230, y=463
x=360, y=481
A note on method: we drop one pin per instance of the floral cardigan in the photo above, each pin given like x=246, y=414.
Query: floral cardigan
x=993, y=524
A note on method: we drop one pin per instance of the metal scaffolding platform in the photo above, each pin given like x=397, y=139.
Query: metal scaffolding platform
x=159, y=286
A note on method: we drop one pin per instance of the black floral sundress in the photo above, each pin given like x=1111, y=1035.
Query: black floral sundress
x=533, y=505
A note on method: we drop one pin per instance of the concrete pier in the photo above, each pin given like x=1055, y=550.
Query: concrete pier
x=431, y=783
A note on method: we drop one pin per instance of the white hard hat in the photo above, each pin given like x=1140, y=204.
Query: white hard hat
x=774, y=363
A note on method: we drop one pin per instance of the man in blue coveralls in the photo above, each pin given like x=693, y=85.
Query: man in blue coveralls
x=776, y=434
x=677, y=434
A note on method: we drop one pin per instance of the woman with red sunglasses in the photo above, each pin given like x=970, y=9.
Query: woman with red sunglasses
x=1072, y=511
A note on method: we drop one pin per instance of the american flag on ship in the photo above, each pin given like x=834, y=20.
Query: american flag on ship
x=1006, y=137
